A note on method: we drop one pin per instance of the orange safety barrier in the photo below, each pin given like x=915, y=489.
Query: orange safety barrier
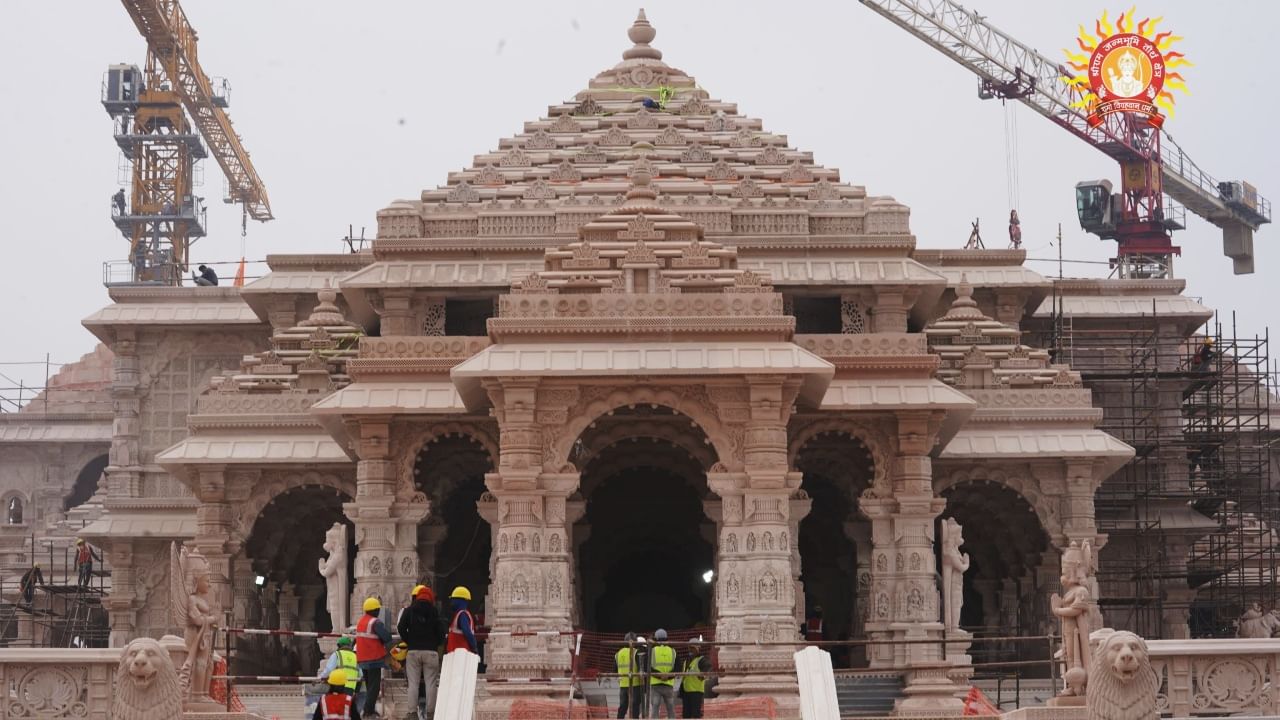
x=218, y=689
x=977, y=704
x=763, y=708
x=598, y=649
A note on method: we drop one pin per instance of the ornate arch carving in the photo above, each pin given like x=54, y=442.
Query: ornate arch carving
x=1021, y=483
x=595, y=401
x=276, y=485
x=871, y=434
x=409, y=441
x=643, y=428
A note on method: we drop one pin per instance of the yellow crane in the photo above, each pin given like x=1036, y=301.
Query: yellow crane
x=154, y=111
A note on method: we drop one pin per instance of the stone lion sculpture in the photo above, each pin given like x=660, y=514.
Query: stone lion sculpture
x=147, y=685
x=1122, y=685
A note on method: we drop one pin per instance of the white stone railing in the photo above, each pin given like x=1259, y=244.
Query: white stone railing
x=57, y=683
x=1217, y=677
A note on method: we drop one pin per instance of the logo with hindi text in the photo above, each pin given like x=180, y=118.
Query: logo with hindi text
x=1127, y=67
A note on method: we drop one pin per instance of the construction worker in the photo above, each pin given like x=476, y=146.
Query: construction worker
x=630, y=682
x=337, y=704
x=461, y=633
x=694, y=682
x=419, y=627
x=30, y=579
x=662, y=675
x=344, y=659
x=85, y=555
x=206, y=277
x=118, y=201
x=813, y=630
x=373, y=645
x=1204, y=356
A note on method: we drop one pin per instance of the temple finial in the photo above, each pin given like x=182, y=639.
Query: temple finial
x=642, y=33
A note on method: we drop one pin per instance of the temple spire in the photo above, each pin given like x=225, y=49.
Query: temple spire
x=642, y=33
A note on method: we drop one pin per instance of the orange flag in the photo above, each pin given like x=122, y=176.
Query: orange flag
x=239, y=282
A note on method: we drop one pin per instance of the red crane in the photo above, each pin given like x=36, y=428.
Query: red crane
x=1158, y=178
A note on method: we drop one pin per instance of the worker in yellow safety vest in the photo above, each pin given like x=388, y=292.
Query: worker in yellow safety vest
x=662, y=675
x=630, y=678
x=694, y=682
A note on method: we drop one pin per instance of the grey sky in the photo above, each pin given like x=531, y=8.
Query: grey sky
x=346, y=106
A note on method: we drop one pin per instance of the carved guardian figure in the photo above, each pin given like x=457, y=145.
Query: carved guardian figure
x=146, y=686
x=1122, y=684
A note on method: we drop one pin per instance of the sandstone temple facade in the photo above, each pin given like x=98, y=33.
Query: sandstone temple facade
x=627, y=346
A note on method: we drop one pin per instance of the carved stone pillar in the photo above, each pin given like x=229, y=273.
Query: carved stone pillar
x=1177, y=613
x=713, y=507
x=532, y=588
x=916, y=602
x=122, y=611
x=989, y=590
x=1047, y=573
x=892, y=305
x=386, y=527
x=287, y=605
x=215, y=519
x=398, y=316
x=859, y=533
x=755, y=579
x=430, y=536
x=575, y=510
x=799, y=508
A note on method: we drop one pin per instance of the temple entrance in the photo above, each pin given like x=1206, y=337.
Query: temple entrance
x=645, y=546
x=837, y=467
x=1010, y=574
x=285, y=547
x=455, y=543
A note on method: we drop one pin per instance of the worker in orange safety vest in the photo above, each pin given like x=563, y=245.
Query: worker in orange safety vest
x=462, y=634
x=337, y=703
x=373, y=644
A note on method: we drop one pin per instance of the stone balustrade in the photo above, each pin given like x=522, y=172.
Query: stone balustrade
x=57, y=682
x=1217, y=677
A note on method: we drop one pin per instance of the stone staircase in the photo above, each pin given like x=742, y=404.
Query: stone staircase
x=867, y=695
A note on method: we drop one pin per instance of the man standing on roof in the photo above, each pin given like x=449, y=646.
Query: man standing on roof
x=419, y=627
x=373, y=641
x=462, y=635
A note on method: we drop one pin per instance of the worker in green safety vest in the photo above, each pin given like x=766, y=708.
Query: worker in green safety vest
x=630, y=678
x=694, y=682
x=662, y=675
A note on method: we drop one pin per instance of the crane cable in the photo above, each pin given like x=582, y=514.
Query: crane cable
x=1011, y=159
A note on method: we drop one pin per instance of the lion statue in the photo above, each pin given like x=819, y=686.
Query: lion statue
x=146, y=684
x=1122, y=685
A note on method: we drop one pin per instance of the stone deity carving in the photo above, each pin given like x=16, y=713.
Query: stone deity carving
x=147, y=685
x=1122, y=683
x=1255, y=623
x=1072, y=609
x=954, y=566
x=196, y=611
x=334, y=571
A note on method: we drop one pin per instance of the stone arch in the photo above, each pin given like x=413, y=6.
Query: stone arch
x=698, y=410
x=659, y=432
x=411, y=441
x=86, y=482
x=14, y=506
x=270, y=488
x=1045, y=507
x=878, y=443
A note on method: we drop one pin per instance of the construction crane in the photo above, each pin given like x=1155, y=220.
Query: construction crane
x=153, y=112
x=1158, y=178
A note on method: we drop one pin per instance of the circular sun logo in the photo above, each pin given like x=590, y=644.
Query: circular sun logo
x=1128, y=68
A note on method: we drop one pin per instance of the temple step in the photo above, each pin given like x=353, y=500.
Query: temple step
x=867, y=695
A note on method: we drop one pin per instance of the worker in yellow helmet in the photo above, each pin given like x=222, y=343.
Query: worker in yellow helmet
x=419, y=627
x=373, y=643
x=337, y=703
x=462, y=634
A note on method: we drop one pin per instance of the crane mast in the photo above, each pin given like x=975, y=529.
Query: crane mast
x=1158, y=178
x=164, y=116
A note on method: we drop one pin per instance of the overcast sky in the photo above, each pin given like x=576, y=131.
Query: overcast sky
x=345, y=106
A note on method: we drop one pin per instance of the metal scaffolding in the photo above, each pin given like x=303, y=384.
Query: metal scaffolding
x=1192, y=520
